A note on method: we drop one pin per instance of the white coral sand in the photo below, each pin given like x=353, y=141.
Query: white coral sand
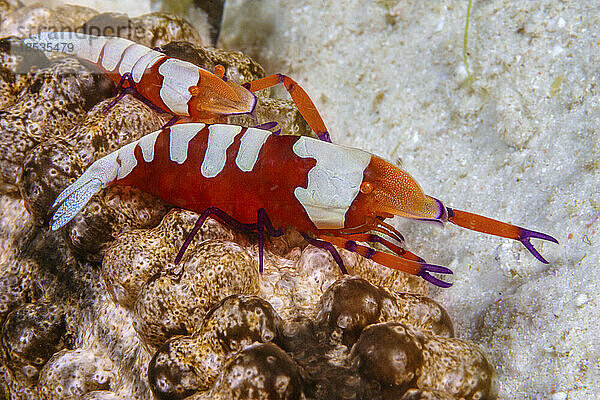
x=520, y=144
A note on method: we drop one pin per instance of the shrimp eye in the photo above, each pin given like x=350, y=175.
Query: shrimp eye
x=366, y=187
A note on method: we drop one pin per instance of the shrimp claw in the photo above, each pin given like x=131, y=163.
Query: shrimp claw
x=427, y=268
x=490, y=226
x=524, y=237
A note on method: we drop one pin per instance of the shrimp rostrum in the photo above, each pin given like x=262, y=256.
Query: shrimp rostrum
x=253, y=180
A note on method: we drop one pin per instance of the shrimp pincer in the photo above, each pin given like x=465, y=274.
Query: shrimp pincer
x=253, y=180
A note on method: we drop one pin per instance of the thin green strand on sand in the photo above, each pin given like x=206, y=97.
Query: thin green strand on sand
x=465, y=44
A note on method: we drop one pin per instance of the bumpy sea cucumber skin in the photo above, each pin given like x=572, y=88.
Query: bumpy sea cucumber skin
x=193, y=363
x=49, y=107
x=343, y=314
x=263, y=370
x=138, y=255
x=471, y=372
x=397, y=355
x=43, y=325
x=352, y=303
x=71, y=372
x=169, y=305
x=388, y=353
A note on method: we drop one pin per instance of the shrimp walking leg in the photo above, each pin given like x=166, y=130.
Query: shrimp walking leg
x=322, y=244
x=372, y=238
x=129, y=89
x=270, y=126
x=413, y=267
x=263, y=223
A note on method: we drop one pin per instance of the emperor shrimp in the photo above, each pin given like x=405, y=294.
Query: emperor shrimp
x=253, y=180
x=171, y=85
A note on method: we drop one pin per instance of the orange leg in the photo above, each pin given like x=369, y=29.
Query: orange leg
x=389, y=230
x=490, y=226
x=305, y=105
x=380, y=227
x=409, y=266
x=371, y=238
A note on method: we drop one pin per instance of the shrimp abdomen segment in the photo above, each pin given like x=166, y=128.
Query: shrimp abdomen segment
x=87, y=47
x=239, y=170
x=162, y=80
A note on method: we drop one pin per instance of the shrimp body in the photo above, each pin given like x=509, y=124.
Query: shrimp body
x=172, y=85
x=239, y=170
x=255, y=180
x=177, y=87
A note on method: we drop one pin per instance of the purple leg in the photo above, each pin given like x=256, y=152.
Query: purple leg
x=269, y=126
x=423, y=272
x=117, y=99
x=171, y=122
x=263, y=224
x=193, y=232
x=260, y=229
x=399, y=251
x=351, y=246
x=329, y=247
x=122, y=91
x=131, y=89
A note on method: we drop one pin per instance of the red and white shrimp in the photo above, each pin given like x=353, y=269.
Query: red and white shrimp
x=174, y=86
x=253, y=180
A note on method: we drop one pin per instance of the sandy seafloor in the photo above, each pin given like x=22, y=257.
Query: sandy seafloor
x=520, y=144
